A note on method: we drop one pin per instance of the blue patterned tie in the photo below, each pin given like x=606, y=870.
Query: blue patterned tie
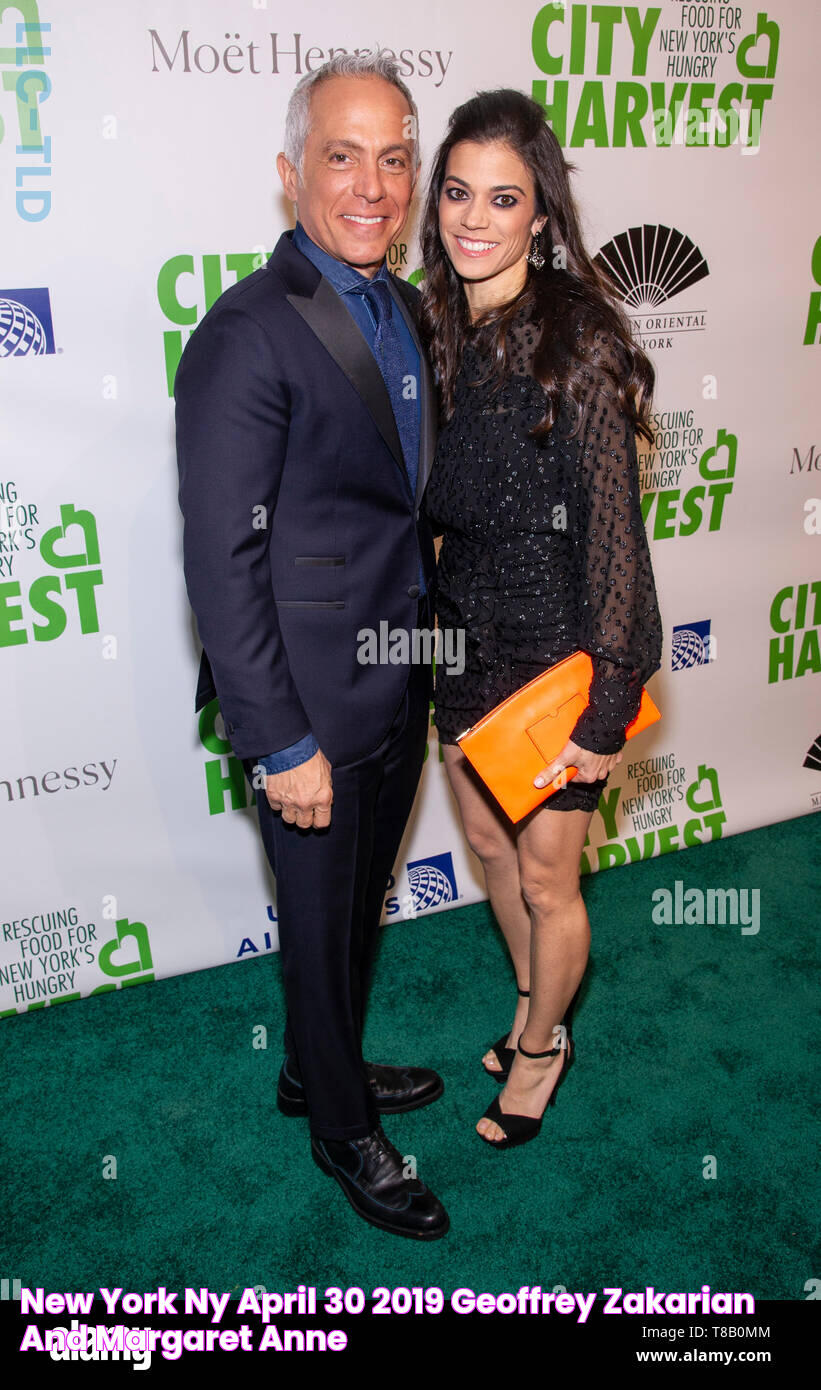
x=401, y=388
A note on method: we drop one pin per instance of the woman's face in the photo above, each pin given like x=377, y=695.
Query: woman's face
x=487, y=212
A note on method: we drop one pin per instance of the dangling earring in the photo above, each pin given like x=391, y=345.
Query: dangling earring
x=534, y=255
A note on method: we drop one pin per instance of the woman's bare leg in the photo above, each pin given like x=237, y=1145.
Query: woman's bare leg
x=492, y=837
x=549, y=847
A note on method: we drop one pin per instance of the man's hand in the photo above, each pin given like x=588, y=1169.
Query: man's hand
x=304, y=794
x=591, y=766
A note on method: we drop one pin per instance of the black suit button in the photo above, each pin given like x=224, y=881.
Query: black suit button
x=414, y=591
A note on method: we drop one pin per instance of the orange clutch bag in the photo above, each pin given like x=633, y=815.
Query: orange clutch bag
x=522, y=735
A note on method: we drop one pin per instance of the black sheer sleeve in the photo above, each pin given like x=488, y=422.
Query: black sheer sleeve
x=619, y=619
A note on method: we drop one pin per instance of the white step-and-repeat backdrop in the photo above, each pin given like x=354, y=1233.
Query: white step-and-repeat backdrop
x=137, y=181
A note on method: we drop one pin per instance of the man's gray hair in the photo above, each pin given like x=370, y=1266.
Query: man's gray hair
x=298, y=116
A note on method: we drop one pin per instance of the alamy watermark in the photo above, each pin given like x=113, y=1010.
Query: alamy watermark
x=710, y=906
x=416, y=646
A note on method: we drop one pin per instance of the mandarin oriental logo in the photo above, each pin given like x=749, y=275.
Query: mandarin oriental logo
x=648, y=266
x=813, y=762
x=813, y=758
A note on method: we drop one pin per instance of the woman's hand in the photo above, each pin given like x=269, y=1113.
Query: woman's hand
x=591, y=766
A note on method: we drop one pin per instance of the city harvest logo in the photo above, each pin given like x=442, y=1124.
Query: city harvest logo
x=24, y=75
x=648, y=266
x=187, y=286
x=681, y=511
x=795, y=618
x=226, y=786
x=26, y=328
x=674, y=83
x=812, y=331
x=656, y=811
x=56, y=952
x=72, y=550
x=692, y=645
x=186, y=289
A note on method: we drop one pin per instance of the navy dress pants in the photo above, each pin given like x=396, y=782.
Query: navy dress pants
x=330, y=889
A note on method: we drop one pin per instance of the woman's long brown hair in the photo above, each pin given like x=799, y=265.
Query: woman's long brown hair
x=573, y=301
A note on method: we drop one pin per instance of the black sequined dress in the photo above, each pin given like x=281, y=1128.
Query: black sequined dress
x=544, y=550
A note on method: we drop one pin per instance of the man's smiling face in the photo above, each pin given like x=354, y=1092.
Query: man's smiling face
x=358, y=172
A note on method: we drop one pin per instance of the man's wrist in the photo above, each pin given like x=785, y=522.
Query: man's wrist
x=287, y=758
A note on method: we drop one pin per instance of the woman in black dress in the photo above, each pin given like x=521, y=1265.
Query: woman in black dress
x=535, y=493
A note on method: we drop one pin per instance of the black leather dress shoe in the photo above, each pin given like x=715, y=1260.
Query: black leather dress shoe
x=395, y=1089
x=370, y=1173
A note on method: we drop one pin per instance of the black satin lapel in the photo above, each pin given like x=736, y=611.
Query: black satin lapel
x=333, y=325
x=428, y=413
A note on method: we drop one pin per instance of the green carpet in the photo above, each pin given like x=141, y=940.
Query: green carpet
x=691, y=1041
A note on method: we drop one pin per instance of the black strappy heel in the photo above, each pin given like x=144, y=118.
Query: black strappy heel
x=504, y=1054
x=519, y=1129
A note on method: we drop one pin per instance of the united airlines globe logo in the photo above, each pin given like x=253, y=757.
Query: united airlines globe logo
x=691, y=645
x=429, y=887
x=432, y=882
x=21, y=332
x=25, y=323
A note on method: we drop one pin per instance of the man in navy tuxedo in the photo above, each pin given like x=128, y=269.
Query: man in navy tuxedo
x=305, y=433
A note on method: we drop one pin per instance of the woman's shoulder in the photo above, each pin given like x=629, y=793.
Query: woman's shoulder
x=577, y=333
x=523, y=336
x=596, y=344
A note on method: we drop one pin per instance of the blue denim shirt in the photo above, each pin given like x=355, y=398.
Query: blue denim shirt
x=343, y=277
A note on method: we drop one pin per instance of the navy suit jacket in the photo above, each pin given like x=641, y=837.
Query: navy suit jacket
x=300, y=529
